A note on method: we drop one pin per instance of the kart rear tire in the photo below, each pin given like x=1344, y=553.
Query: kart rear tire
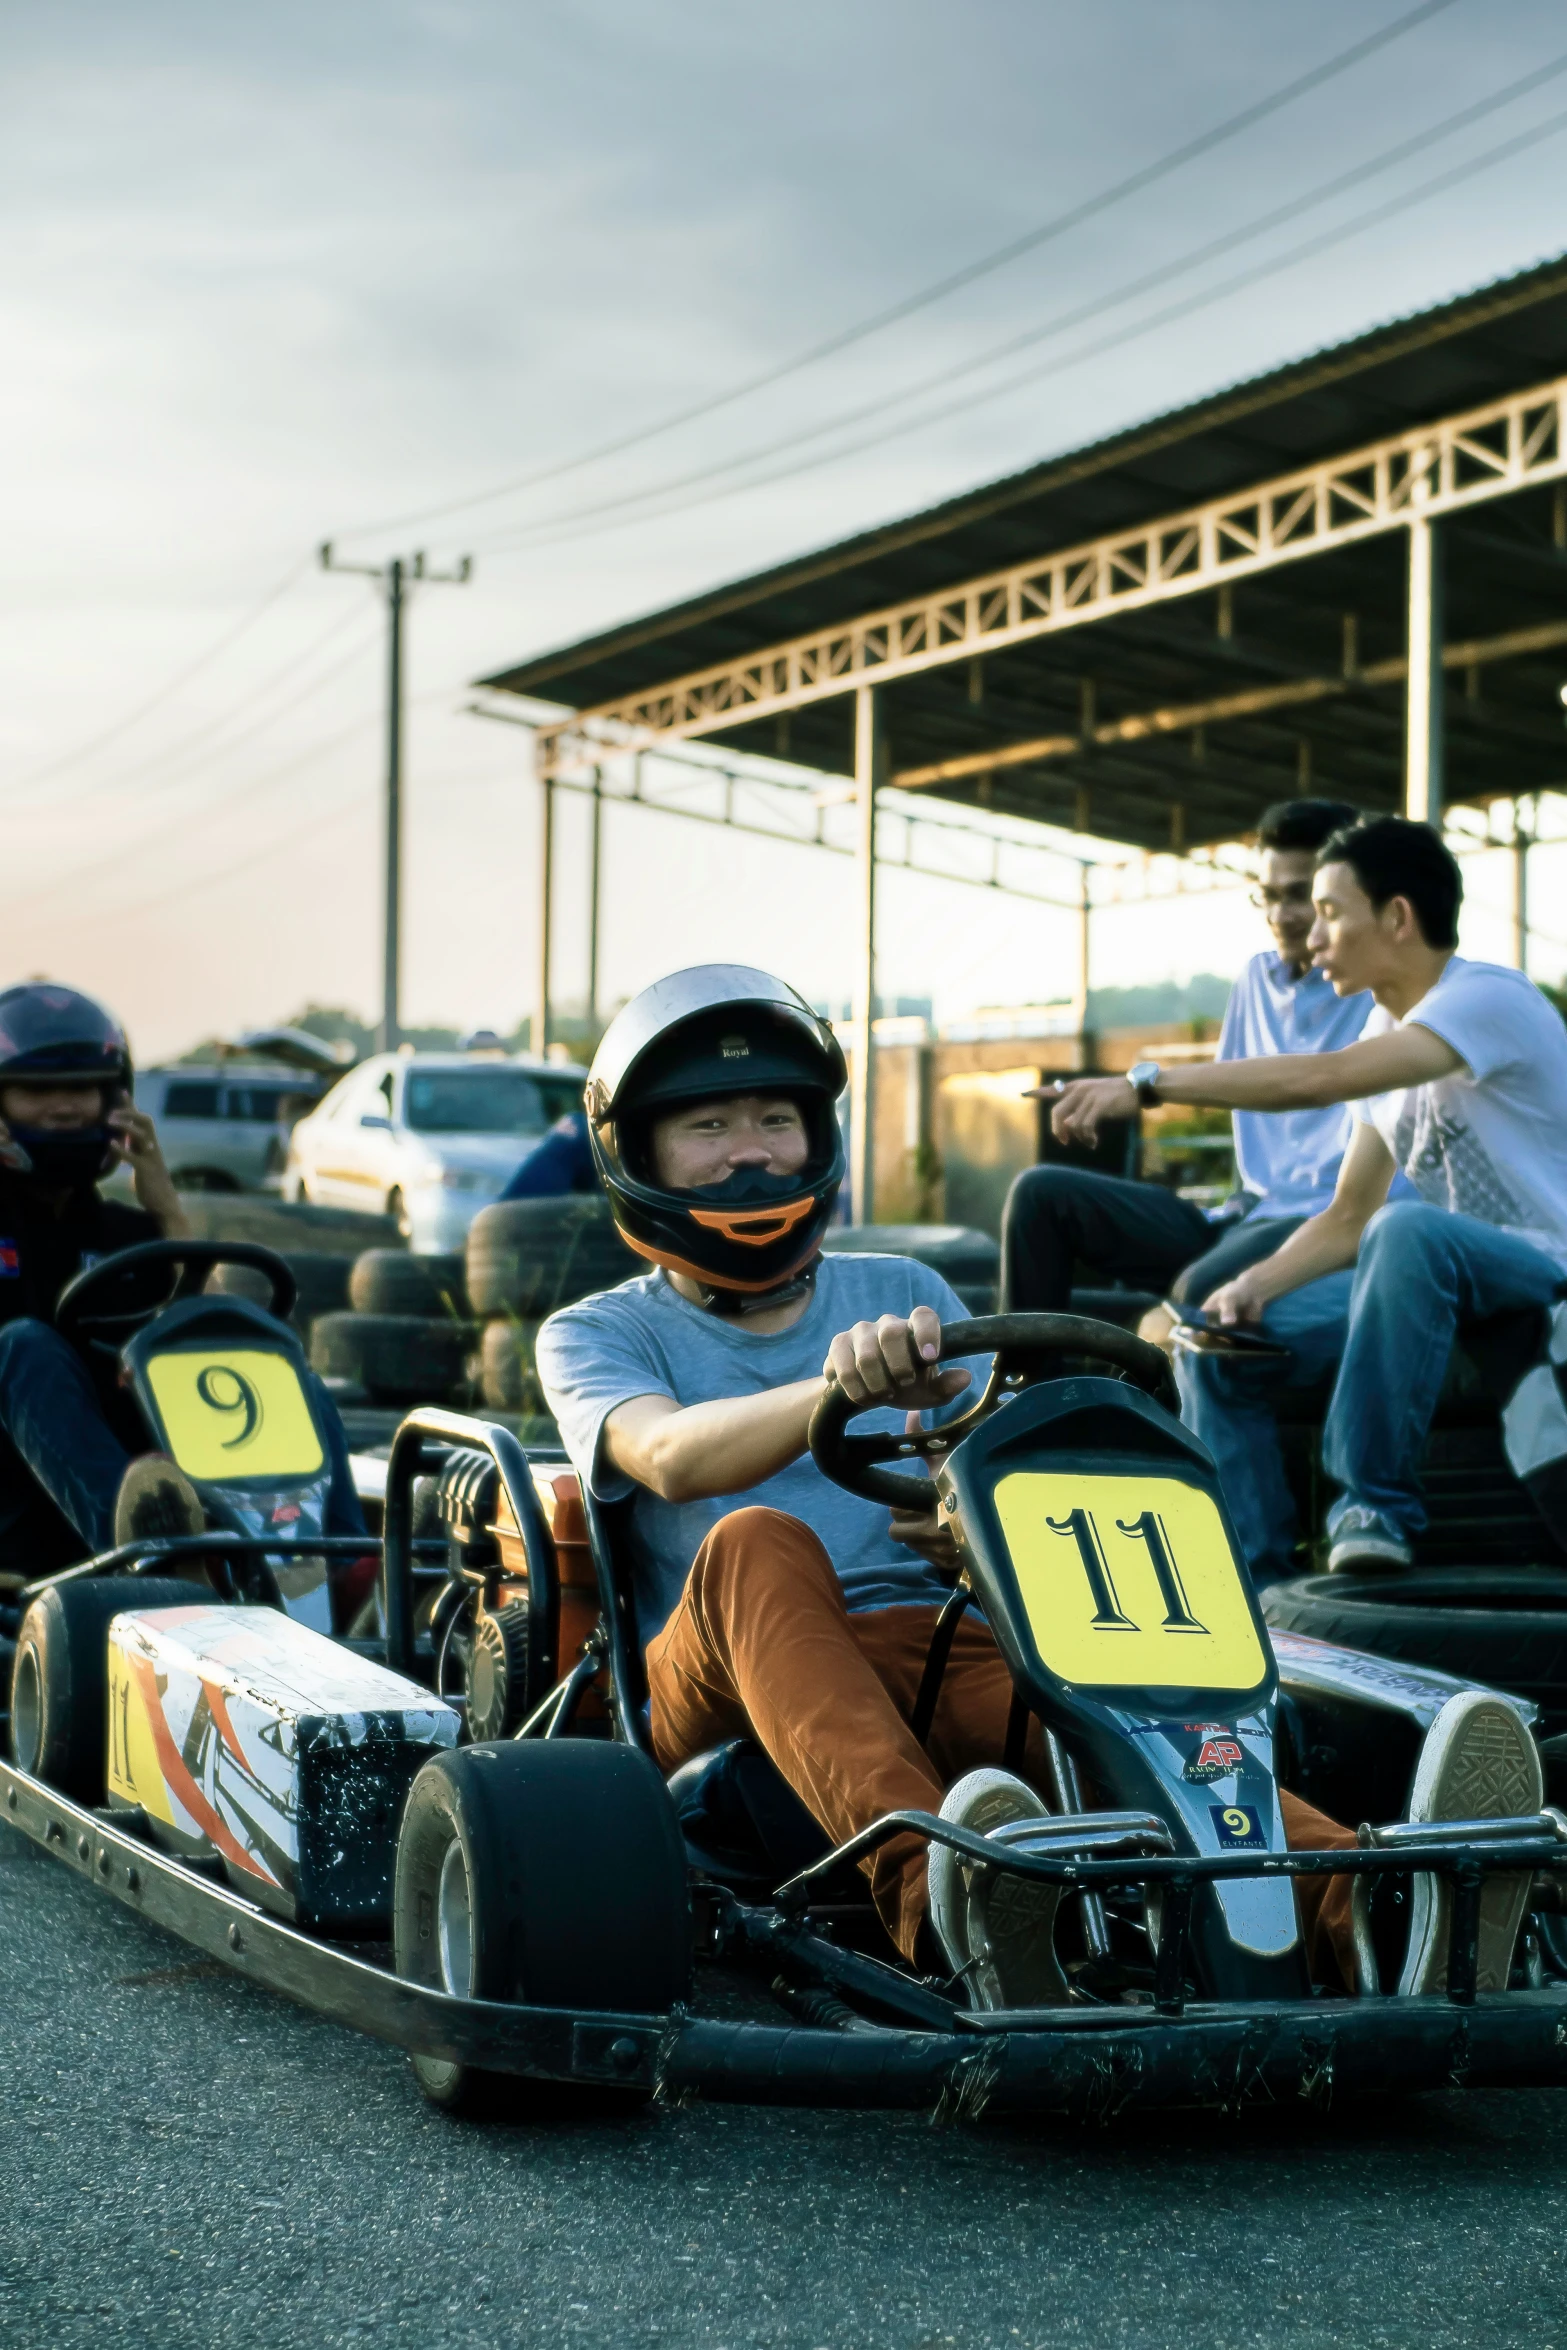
x=395, y=1358
x=549, y=1872
x=60, y=1678
x=393, y=1281
x=1504, y=1626
x=528, y=1256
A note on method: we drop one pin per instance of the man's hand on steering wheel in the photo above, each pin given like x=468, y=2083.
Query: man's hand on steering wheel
x=894, y=1362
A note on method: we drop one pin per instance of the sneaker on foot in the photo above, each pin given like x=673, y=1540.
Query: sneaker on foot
x=1361, y=1543
x=996, y=1929
x=1478, y=1762
x=156, y=1502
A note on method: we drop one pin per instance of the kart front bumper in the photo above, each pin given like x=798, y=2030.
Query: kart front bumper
x=1076, y=2063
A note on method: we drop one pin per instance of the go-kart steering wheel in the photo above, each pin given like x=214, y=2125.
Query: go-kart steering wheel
x=1028, y=1349
x=109, y=1303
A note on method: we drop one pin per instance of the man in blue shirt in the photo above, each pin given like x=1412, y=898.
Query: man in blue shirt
x=769, y=1602
x=561, y=1163
x=1147, y=1236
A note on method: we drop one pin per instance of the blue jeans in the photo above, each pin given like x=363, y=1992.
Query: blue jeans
x=64, y=1449
x=1422, y=1274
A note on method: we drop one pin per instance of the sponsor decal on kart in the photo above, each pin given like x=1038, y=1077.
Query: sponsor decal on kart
x=10, y=1260
x=1218, y=1757
x=1238, y=1827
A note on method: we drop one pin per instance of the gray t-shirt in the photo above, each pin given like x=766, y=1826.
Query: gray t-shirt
x=645, y=1339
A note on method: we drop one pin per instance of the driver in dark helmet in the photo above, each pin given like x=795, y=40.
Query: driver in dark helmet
x=75, y=1475
x=770, y=1602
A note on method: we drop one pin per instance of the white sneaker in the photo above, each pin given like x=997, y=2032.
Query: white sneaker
x=996, y=1929
x=1362, y=1544
x=1478, y=1762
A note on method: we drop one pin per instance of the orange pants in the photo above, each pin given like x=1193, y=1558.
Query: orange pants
x=762, y=1644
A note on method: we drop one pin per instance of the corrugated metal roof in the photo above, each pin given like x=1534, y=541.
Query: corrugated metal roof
x=1504, y=572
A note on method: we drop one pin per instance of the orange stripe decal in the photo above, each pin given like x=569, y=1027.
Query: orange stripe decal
x=179, y=1781
x=220, y=1714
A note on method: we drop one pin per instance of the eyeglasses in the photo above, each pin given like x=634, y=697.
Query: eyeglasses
x=1292, y=893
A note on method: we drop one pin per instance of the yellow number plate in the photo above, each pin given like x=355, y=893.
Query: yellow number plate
x=1129, y=1582
x=235, y=1412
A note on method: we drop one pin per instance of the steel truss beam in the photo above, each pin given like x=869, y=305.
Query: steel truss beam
x=1438, y=469
x=1251, y=702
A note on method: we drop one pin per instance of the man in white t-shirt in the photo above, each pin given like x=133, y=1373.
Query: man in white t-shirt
x=1059, y=1218
x=1460, y=1083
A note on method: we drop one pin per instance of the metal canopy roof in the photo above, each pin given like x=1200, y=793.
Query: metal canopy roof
x=1207, y=666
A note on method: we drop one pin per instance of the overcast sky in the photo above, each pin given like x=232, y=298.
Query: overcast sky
x=273, y=275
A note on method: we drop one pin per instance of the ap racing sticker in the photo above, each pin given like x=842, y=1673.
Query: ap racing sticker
x=1219, y=1755
x=10, y=1260
x=1238, y=1827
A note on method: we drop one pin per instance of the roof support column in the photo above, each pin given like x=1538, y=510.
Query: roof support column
x=541, y=995
x=595, y=864
x=1085, y=966
x=1423, y=702
x=1521, y=884
x=870, y=759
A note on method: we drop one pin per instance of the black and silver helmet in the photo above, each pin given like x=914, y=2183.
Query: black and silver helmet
x=718, y=1029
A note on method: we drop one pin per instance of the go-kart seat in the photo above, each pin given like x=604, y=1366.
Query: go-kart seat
x=743, y=1823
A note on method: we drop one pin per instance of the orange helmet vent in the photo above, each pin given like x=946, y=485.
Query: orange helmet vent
x=753, y=1227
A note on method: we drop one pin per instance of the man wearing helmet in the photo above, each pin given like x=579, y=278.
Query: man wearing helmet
x=66, y=1121
x=770, y=1602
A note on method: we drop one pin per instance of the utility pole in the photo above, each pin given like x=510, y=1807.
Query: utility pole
x=395, y=578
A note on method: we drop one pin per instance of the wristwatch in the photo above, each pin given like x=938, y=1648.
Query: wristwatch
x=1145, y=1076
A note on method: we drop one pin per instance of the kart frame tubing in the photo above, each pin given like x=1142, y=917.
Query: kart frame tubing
x=1075, y=2063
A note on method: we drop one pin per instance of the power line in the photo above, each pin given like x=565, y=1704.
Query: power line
x=253, y=787
x=172, y=686
x=252, y=857
x=1165, y=317
x=169, y=760
x=895, y=312
x=1061, y=324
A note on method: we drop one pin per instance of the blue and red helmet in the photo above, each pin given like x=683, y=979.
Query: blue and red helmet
x=53, y=1036
x=56, y=1035
x=718, y=1029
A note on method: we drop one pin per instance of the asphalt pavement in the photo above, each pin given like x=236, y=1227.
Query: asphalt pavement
x=195, y=2163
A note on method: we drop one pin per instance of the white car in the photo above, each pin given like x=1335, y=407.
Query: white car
x=430, y=1138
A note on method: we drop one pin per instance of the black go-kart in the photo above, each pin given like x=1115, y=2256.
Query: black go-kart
x=453, y=1835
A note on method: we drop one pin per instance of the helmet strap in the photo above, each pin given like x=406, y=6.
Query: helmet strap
x=733, y=1304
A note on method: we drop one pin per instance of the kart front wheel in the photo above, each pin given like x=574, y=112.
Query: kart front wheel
x=545, y=1872
x=60, y=1680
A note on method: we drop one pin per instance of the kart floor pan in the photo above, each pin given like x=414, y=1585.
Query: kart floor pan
x=1077, y=2063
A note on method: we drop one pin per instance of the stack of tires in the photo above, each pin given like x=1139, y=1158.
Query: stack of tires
x=969, y=1261
x=406, y=1337
x=319, y=1245
x=527, y=1257
x=321, y=1278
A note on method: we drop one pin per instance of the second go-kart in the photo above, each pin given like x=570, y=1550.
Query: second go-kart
x=471, y=1802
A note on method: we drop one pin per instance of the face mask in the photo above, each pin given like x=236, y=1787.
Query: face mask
x=59, y=1161
x=750, y=1187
